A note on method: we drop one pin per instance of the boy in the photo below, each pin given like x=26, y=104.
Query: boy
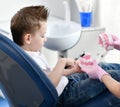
x=28, y=27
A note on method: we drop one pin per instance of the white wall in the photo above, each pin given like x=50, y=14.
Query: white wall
x=110, y=15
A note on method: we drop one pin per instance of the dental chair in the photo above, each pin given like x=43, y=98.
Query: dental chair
x=21, y=80
x=25, y=85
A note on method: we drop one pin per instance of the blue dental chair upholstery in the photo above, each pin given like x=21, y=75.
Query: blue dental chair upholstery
x=25, y=85
x=22, y=81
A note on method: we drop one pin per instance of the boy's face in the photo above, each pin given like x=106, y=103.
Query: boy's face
x=37, y=40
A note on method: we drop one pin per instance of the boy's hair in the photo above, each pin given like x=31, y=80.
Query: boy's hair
x=27, y=20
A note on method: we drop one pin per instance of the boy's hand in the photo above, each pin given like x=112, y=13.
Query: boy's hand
x=91, y=67
x=77, y=68
x=71, y=67
x=69, y=63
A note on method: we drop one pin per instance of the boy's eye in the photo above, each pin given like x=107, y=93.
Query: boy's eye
x=42, y=36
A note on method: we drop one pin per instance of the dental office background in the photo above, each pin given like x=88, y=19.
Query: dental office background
x=106, y=15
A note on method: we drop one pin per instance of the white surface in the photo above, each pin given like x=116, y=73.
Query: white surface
x=113, y=56
x=67, y=11
x=62, y=35
x=110, y=15
x=9, y=7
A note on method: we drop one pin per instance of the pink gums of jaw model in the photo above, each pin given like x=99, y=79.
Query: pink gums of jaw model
x=86, y=59
x=105, y=40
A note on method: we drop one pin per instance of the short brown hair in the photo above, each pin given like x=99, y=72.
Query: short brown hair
x=27, y=20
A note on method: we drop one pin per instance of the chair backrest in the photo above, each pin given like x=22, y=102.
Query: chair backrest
x=22, y=80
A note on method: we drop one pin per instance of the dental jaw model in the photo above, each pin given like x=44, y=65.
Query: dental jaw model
x=91, y=67
x=105, y=40
x=86, y=59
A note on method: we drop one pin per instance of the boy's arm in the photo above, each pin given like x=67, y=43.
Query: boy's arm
x=111, y=84
x=60, y=70
x=56, y=74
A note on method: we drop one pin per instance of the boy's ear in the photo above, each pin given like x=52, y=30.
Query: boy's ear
x=27, y=38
